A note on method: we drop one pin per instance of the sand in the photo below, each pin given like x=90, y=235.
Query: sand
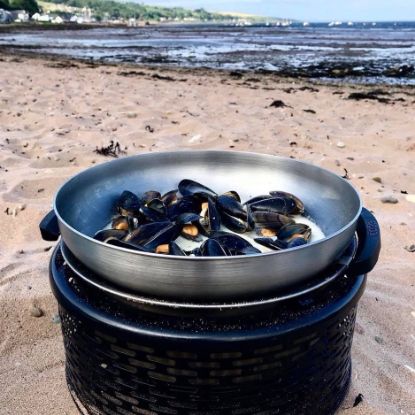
x=51, y=120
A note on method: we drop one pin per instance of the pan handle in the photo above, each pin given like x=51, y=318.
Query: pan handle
x=49, y=228
x=369, y=244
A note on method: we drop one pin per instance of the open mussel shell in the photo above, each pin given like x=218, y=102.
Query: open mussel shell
x=144, y=232
x=187, y=204
x=190, y=226
x=127, y=245
x=234, y=244
x=106, y=235
x=268, y=223
x=170, y=197
x=299, y=205
x=126, y=223
x=297, y=241
x=274, y=244
x=158, y=206
x=212, y=247
x=150, y=195
x=166, y=235
x=210, y=219
x=128, y=204
x=191, y=188
x=294, y=230
x=233, y=194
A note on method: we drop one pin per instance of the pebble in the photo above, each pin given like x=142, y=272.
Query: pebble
x=340, y=144
x=56, y=319
x=410, y=198
x=36, y=311
x=379, y=340
x=410, y=248
x=377, y=179
x=389, y=199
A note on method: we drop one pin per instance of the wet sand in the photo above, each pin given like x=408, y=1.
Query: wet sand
x=54, y=115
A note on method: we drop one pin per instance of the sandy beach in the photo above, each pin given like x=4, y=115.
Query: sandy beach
x=55, y=113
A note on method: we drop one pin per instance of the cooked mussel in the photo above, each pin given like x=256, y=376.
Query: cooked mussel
x=299, y=205
x=170, y=197
x=212, y=247
x=210, y=220
x=106, y=235
x=234, y=244
x=191, y=188
x=233, y=194
x=170, y=249
x=126, y=223
x=144, y=232
x=231, y=206
x=268, y=223
x=187, y=204
x=274, y=244
x=128, y=204
x=150, y=195
x=282, y=205
x=190, y=226
x=166, y=235
x=234, y=224
x=294, y=230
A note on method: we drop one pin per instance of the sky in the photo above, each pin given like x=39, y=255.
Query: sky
x=311, y=10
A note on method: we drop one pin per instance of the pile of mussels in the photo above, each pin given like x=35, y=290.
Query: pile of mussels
x=152, y=222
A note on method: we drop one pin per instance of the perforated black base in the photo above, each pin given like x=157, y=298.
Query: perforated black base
x=292, y=358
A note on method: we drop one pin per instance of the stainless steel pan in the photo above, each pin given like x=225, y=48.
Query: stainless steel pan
x=84, y=204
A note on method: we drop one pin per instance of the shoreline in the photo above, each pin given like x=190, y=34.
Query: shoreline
x=243, y=74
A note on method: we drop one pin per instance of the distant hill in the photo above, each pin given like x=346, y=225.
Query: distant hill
x=111, y=9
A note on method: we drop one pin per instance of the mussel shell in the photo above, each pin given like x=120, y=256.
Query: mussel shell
x=290, y=231
x=274, y=244
x=257, y=199
x=152, y=215
x=234, y=195
x=125, y=223
x=158, y=206
x=170, y=197
x=144, y=232
x=187, y=204
x=285, y=206
x=234, y=224
x=231, y=206
x=128, y=204
x=106, y=235
x=175, y=249
x=150, y=195
x=127, y=245
x=212, y=220
x=169, y=233
x=187, y=217
x=212, y=247
x=270, y=220
x=299, y=204
x=191, y=232
x=190, y=187
x=297, y=241
x=235, y=244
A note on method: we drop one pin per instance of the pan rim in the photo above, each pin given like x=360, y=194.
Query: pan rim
x=215, y=258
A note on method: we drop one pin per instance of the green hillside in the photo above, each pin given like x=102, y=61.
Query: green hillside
x=110, y=9
x=29, y=5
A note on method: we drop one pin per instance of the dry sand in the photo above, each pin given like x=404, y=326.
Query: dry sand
x=51, y=120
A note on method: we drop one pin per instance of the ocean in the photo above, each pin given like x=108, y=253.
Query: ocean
x=369, y=53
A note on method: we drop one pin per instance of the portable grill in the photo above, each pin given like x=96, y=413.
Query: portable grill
x=281, y=348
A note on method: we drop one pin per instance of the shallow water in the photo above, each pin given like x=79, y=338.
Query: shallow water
x=371, y=51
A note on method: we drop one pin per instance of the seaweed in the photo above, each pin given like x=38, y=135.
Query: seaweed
x=112, y=150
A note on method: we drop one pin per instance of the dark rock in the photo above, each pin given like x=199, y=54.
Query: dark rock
x=309, y=111
x=279, y=104
x=358, y=400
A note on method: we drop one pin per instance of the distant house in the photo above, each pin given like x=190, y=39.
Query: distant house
x=41, y=17
x=57, y=20
x=5, y=16
x=20, y=15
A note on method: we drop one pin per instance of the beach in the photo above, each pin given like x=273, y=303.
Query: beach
x=54, y=113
